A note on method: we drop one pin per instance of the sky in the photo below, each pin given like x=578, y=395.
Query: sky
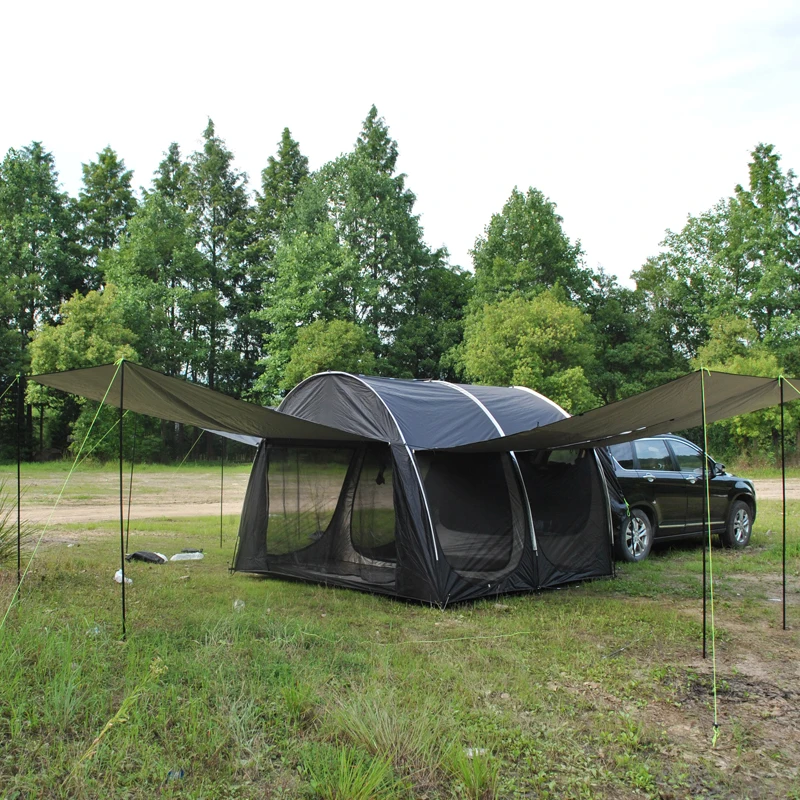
x=629, y=116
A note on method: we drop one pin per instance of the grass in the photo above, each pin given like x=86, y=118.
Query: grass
x=303, y=691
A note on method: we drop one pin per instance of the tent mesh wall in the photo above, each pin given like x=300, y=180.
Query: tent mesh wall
x=570, y=514
x=330, y=514
x=477, y=512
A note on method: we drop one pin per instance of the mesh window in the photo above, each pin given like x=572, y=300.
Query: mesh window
x=372, y=528
x=476, y=509
x=304, y=488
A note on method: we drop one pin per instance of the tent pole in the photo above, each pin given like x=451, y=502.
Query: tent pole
x=783, y=488
x=706, y=535
x=221, y=485
x=130, y=486
x=121, y=484
x=19, y=481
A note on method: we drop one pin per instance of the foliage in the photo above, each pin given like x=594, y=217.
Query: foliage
x=334, y=345
x=734, y=346
x=524, y=251
x=543, y=343
x=105, y=203
x=39, y=257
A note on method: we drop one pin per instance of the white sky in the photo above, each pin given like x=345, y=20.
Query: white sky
x=628, y=115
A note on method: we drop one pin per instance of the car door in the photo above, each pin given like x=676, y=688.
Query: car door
x=690, y=462
x=668, y=485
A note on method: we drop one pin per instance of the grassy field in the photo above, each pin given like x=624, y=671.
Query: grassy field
x=236, y=686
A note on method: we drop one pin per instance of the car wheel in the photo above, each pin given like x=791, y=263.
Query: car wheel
x=740, y=525
x=636, y=537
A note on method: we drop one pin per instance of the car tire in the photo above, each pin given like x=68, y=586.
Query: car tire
x=739, y=526
x=635, y=537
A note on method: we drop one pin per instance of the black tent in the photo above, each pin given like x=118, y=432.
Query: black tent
x=402, y=516
x=423, y=489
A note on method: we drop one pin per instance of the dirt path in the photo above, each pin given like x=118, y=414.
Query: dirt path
x=164, y=494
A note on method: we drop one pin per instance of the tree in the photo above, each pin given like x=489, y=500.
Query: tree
x=734, y=345
x=742, y=257
x=281, y=180
x=153, y=270
x=633, y=353
x=352, y=230
x=542, y=343
x=334, y=345
x=91, y=331
x=172, y=177
x=524, y=251
x=39, y=255
x=218, y=209
x=105, y=202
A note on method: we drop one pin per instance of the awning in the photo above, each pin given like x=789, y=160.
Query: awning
x=675, y=406
x=148, y=392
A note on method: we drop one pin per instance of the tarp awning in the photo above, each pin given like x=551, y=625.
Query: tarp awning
x=675, y=406
x=148, y=392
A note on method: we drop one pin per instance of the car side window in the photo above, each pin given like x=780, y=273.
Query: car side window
x=623, y=453
x=653, y=454
x=689, y=457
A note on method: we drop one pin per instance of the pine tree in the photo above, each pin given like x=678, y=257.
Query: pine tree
x=218, y=208
x=105, y=203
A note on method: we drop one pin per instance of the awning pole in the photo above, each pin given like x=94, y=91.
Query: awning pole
x=221, y=485
x=19, y=480
x=706, y=538
x=130, y=486
x=783, y=494
x=121, y=484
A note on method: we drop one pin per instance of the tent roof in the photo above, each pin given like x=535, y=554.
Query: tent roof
x=675, y=406
x=150, y=392
x=424, y=414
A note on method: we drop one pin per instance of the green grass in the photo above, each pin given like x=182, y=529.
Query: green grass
x=311, y=691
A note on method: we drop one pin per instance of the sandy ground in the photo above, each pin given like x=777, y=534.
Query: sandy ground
x=197, y=495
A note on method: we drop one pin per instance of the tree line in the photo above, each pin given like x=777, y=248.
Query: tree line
x=250, y=291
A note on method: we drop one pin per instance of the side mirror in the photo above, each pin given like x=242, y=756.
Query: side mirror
x=719, y=469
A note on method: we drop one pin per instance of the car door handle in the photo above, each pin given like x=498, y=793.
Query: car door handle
x=650, y=477
x=692, y=480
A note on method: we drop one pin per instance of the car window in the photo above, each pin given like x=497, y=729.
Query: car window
x=653, y=454
x=623, y=453
x=689, y=457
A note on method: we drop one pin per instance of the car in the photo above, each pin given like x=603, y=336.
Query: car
x=662, y=481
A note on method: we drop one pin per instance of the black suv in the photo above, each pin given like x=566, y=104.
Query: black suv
x=662, y=480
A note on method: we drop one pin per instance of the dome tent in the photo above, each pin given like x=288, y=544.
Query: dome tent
x=401, y=515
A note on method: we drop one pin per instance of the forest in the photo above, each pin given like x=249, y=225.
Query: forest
x=248, y=290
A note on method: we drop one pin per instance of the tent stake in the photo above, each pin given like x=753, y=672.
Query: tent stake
x=19, y=481
x=221, y=485
x=783, y=488
x=121, y=484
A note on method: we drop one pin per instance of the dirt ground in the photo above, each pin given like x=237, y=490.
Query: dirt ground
x=164, y=494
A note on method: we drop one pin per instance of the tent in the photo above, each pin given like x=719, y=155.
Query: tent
x=402, y=516
x=422, y=489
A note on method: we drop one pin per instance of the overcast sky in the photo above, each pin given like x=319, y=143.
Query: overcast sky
x=628, y=115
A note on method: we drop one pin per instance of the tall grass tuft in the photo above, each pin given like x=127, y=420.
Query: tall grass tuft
x=8, y=528
x=477, y=773
x=351, y=776
x=411, y=740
